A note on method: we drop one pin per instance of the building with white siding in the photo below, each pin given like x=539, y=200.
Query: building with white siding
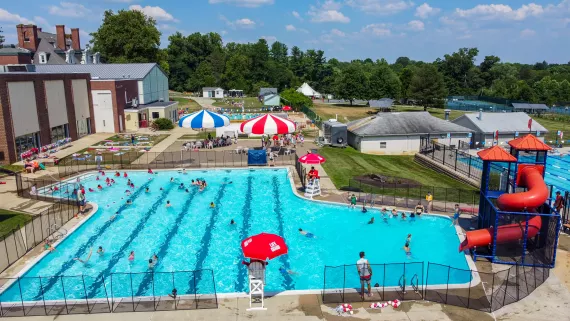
x=401, y=133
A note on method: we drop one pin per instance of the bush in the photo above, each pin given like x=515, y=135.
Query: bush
x=164, y=124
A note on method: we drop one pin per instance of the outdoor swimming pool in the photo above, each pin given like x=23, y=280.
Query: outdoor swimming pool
x=192, y=236
x=558, y=172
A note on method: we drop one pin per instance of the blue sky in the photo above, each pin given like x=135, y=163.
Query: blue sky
x=517, y=31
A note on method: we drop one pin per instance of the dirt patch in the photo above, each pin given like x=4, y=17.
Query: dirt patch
x=309, y=305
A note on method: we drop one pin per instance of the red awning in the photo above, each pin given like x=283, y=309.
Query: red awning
x=529, y=143
x=496, y=154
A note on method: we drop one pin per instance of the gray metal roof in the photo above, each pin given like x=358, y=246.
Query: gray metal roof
x=382, y=103
x=9, y=51
x=102, y=71
x=265, y=91
x=530, y=106
x=159, y=104
x=503, y=122
x=385, y=124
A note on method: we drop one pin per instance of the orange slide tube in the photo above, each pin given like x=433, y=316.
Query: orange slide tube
x=536, y=195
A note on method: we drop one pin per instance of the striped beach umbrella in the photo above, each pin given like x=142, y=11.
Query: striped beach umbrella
x=268, y=124
x=203, y=119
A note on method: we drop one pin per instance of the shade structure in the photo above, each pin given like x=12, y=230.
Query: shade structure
x=268, y=124
x=203, y=119
x=311, y=158
x=287, y=108
x=264, y=246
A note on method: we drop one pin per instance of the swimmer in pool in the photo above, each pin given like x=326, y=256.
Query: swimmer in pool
x=90, y=189
x=227, y=183
x=99, y=187
x=86, y=259
x=232, y=222
x=371, y=220
x=407, y=245
x=129, y=182
x=364, y=210
x=283, y=270
x=162, y=189
x=212, y=205
x=187, y=191
x=181, y=186
x=100, y=250
x=168, y=204
x=151, y=264
x=129, y=202
x=132, y=256
x=112, y=218
x=184, y=171
x=394, y=213
x=193, y=183
x=307, y=234
x=147, y=190
x=128, y=192
x=404, y=216
x=48, y=246
x=172, y=179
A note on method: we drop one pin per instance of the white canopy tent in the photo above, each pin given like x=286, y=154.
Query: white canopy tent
x=307, y=90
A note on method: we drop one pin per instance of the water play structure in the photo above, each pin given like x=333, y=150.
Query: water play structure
x=516, y=223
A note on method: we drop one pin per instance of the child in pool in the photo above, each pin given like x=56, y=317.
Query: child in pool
x=307, y=234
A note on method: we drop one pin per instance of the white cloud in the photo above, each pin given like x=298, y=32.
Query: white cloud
x=377, y=29
x=425, y=10
x=245, y=23
x=500, y=12
x=269, y=39
x=290, y=28
x=223, y=32
x=157, y=12
x=165, y=27
x=244, y=3
x=69, y=9
x=416, y=25
x=328, y=12
x=527, y=33
x=6, y=16
x=383, y=7
x=338, y=33
x=297, y=15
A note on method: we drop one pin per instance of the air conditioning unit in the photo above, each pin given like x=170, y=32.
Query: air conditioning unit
x=335, y=133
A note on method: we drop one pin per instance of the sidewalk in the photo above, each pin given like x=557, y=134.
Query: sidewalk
x=174, y=135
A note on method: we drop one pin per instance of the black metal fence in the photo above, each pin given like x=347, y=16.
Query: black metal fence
x=409, y=195
x=483, y=291
x=166, y=160
x=116, y=292
x=455, y=159
x=312, y=116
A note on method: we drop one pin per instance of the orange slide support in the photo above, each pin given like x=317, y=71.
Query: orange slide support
x=536, y=194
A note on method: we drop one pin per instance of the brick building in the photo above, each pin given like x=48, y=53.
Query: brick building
x=38, y=109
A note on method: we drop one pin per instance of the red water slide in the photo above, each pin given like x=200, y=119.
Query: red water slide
x=535, y=196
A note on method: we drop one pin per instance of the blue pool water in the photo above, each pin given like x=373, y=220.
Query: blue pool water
x=558, y=172
x=192, y=236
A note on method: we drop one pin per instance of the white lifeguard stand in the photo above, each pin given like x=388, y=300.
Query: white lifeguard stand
x=313, y=189
x=256, y=286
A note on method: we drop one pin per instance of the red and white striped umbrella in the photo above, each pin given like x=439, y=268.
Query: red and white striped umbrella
x=267, y=124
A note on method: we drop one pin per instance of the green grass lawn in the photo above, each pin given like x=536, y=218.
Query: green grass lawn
x=554, y=123
x=250, y=102
x=10, y=220
x=186, y=104
x=344, y=164
x=13, y=168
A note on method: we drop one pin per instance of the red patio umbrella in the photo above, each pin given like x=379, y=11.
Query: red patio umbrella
x=264, y=246
x=311, y=158
x=287, y=108
x=268, y=124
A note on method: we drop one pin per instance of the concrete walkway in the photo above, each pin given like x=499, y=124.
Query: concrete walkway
x=174, y=135
x=206, y=103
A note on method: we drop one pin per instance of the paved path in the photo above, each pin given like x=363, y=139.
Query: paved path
x=206, y=103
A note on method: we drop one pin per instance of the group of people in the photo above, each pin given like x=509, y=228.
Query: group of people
x=283, y=140
x=211, y=142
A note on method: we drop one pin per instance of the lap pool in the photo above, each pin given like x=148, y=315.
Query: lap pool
x=191, y=236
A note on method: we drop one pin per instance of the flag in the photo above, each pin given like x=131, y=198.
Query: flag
x=497, y=134
x=529, y=123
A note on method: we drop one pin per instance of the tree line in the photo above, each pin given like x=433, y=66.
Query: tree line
x=203, y=60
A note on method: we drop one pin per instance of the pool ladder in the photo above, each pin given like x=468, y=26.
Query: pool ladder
x=56, y=231
x=413, y=283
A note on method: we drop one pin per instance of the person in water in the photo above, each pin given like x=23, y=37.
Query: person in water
x=151, y=264
x=86, y=259
x=394, y=212
x=232, y=222
x=100, y=250
x=48, y=246
x=283, y=270
x=129, y=202
x=132, y=256
x=305, y=233
x=371, y=220
x=168, y=204
x=364, y=210
x=181, y=186
x=147, y=190
x=112, y=218
x=172, y=179
x=404, y=216
x=407, y=244
x=212, y=205
x=419, y=209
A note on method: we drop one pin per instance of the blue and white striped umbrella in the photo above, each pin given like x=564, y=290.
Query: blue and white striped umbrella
x=203, y=119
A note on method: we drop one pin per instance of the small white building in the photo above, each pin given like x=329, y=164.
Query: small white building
x=308, y=91
x=213, y=92
x=509, y=126
x=401, y=133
